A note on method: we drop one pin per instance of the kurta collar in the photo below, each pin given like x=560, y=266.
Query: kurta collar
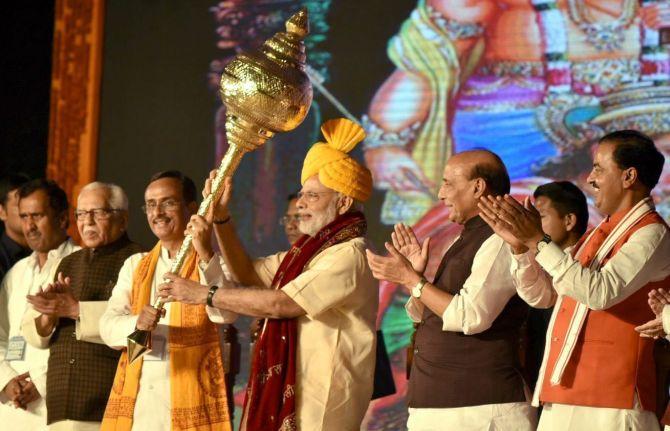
x=65, y=248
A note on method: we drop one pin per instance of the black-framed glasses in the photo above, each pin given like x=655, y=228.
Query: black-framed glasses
x=97, y=213
x=167, y=205
x=312, y=196
x=289, y=218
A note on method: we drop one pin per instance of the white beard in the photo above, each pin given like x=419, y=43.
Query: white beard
x=312, y=226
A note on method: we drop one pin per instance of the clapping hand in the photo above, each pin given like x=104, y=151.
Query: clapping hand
x=658, y=299
x=405, y=241
x=56, y=299
x=401, y=267
x=518, y=224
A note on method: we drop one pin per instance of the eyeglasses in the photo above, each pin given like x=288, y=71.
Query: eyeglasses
x=168, y=205
x=311, y=196
x=288, y=219
x=97, y=213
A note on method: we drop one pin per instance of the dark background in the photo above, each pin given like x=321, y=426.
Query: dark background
x=157, y=111
x=26, y=31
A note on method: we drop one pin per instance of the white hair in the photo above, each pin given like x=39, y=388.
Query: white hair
x=116, y=199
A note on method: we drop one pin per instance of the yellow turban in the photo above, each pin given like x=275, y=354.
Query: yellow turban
x=331, y=162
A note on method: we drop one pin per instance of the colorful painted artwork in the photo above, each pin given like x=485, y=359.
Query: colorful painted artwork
x=536, y=81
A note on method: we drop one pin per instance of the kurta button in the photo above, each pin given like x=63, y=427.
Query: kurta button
x=72, y=361
x=74, y=334
x=416, y=350
x=554, y=339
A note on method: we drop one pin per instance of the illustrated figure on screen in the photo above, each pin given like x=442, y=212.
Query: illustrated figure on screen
x=535, y=81
x=499, y=74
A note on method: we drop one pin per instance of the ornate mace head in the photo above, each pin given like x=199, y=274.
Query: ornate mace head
x=266, y=91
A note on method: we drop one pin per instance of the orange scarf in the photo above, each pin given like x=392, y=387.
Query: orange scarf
x=197, y=383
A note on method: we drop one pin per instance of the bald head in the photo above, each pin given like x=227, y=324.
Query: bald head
x=486, y=165
x=467, y=177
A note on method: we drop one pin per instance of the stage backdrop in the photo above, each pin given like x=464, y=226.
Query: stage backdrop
x=537, y=82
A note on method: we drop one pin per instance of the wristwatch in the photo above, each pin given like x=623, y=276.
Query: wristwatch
x=210, y=295
x=546, y=239
x=416, y=290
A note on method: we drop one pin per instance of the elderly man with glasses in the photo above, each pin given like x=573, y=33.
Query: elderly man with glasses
x=157, y=391
x=63, y=316
x=313, y=364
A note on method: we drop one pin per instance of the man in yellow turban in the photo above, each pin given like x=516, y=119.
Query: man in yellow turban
x=313, y=364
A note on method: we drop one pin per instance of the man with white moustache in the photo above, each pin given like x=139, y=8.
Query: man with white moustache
x=63, y=317
x=312, y=366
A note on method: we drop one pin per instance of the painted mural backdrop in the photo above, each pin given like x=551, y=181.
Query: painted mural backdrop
x=536, y=81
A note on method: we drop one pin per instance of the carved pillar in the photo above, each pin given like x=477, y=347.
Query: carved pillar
x=75, y=94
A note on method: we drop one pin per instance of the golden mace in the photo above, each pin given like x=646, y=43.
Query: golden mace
x=265, y=92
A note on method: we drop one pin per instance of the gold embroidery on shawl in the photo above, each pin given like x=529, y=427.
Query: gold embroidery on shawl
x=200, y=416
x=273, y=370
x=211, y=377
x=288, y=392
x=289, y=424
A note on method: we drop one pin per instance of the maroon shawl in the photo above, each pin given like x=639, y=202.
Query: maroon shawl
x=270, y=400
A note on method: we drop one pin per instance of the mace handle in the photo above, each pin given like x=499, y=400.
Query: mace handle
x=229, y=163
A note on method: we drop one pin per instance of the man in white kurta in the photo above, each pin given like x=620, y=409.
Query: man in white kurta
x=44, y=228
x=330, y=296
x=596, y=373
x=336, y=336
x=169, y=201
x=465, y=370
x=336, y=342
x=65, y=317
x=152, y=410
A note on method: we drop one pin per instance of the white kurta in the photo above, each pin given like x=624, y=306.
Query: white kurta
x=86, y=329
x=336, y=338
x=152, y=408
x=473, y=310
x=24, y=277
x=541, y=279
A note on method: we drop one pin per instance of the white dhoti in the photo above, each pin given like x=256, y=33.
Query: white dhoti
x=561, y=417
x=489, y=417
